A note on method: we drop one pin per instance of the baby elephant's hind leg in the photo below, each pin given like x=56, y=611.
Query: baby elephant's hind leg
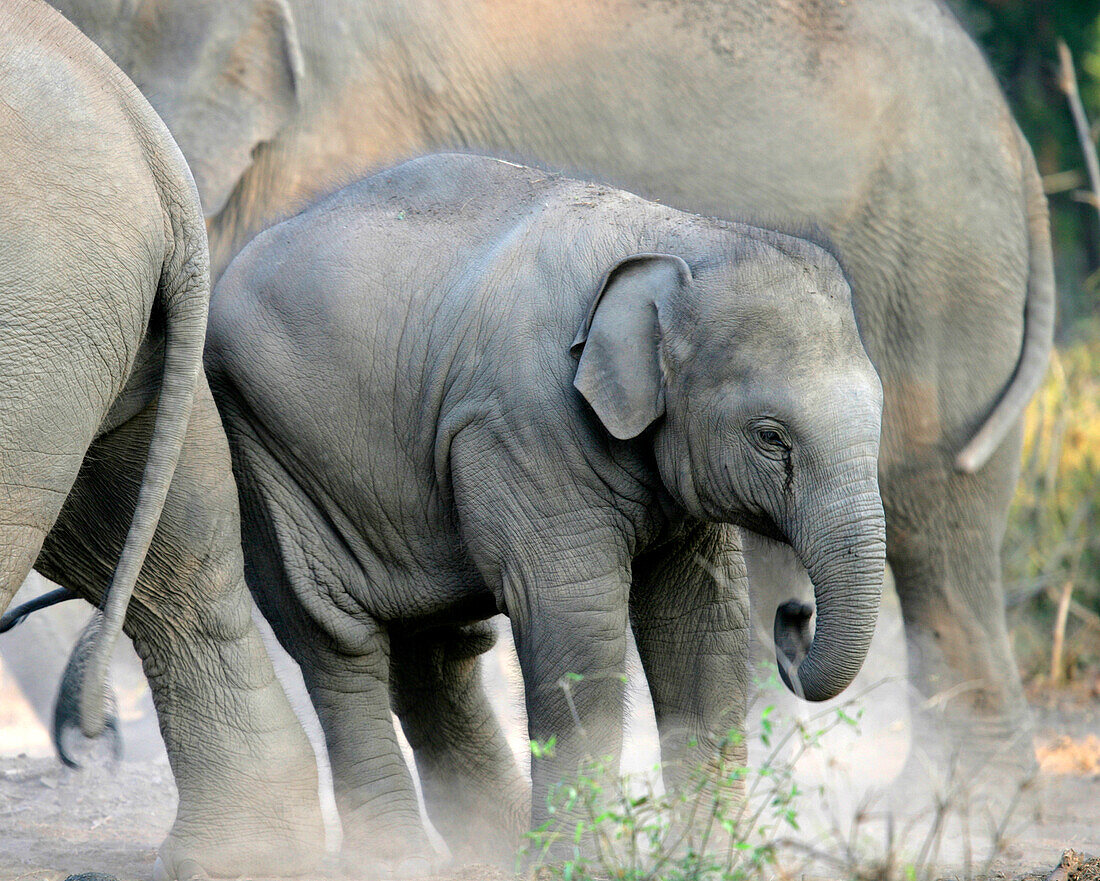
x=383, y=833
x=304, y=582
x=475, y=794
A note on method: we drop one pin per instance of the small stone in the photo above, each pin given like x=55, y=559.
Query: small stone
x=91, y=876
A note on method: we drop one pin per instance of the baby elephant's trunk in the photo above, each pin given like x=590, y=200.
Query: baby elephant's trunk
x=844, y=552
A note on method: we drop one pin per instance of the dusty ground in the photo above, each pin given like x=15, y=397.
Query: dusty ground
x=110, y=818
x=54, y=821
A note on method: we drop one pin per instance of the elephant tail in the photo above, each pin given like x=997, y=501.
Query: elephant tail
x=15, y=616
x=1038, y=326
x=66, y=709
x=184, y=296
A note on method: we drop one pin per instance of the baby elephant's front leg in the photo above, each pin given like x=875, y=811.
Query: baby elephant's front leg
x=572, y=648
x=556, y=550
x=689, y=612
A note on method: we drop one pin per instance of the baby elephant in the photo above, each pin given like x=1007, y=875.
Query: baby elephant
x=462, y=387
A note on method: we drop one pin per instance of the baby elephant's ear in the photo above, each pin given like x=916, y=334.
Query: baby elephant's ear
x=619, y=372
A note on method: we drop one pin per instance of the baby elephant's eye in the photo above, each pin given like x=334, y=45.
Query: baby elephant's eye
x=770, y=438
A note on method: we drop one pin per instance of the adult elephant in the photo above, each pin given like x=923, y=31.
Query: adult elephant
x=115, y=477
x=876, y=119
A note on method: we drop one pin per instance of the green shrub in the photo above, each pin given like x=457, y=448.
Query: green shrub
x=725, y=825
x=742, y=822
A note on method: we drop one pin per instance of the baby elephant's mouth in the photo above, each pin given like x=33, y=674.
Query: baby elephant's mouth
x=762, y=524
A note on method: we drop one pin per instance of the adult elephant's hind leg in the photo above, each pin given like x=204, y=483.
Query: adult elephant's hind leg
x=944, y=540
x=475, y=794
x=248, y=801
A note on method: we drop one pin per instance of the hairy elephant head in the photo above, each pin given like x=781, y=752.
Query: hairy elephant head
x=765, y=412
x=224, y=76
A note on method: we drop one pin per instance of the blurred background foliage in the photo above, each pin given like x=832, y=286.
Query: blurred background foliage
x=1019, y=38
x=1052, y=549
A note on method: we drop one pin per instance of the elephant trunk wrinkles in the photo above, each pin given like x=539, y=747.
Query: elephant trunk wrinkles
x=845, y=555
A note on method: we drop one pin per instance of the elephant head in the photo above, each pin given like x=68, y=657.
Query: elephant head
x=224, y=76
x=764, y=411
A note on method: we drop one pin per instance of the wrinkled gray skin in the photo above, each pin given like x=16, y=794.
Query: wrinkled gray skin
x=67, y=711
x=877, y=119
x=463, y=387
x=104, y=288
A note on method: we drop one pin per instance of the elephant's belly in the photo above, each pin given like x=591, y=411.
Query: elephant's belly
x=421, y=573
x=461, y=611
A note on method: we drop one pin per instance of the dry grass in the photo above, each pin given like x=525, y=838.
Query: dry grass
x=1052, y=547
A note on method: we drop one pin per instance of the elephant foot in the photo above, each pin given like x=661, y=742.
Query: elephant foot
x=976, y=779
x=389, y=855
x=183, y=870
x=197, y=863
x=374, y=869
x=971, y=752
x=275, y=839
x=482, y=827
x=498, y=851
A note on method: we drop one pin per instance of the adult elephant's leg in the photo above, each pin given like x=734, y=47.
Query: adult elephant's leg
x=247, y=780
x=304, y=583
x=689, y=611
x=474, y=791
x=944, y=537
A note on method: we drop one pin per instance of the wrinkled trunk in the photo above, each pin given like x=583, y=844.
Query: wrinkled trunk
x=844, y=551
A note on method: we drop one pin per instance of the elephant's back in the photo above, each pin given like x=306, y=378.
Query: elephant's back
x=78, y=198
x=330, y=332
x=389, y=243
x=433, y=192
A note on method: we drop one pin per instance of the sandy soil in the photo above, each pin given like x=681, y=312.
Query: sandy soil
x=54, y=821
x=110, y=817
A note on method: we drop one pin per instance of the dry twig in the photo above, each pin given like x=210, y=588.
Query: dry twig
x=1067, y=82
